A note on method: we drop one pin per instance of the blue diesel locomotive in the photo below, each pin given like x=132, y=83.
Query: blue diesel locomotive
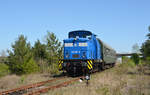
x=83, y=53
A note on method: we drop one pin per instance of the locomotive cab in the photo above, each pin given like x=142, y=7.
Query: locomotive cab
x=76, y=46
x=80, y=45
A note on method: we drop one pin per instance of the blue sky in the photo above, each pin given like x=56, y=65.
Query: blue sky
x=119, y=23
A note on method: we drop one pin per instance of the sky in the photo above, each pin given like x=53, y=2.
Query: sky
x=119, y=23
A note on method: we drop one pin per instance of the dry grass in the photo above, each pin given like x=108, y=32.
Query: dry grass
x=121, y=80
x=8, y=82
x=14, y=81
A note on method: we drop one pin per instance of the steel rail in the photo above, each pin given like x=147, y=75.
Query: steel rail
x=28, y=86
x=46, y=89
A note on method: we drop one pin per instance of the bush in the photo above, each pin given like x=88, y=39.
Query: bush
x=29, y=67
x=148, y=59
x=135, y=58
x=4, y=69
x=127, y=62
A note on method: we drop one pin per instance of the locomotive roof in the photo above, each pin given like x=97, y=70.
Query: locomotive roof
x=79, y=33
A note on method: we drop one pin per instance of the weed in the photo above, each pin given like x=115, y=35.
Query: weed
x=22, y=79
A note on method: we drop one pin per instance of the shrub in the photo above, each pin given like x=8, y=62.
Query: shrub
x=29, y=67
x=127, y=62
x=135, y=58
x=4, y=69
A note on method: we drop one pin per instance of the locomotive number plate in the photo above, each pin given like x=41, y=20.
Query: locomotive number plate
x=75, y=55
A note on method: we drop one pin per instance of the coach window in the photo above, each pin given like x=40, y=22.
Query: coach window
x=106, y=50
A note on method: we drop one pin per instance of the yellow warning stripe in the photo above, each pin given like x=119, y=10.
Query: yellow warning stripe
x=60, y=62
x=60, y=66
x=89, y=65
x=91, y=61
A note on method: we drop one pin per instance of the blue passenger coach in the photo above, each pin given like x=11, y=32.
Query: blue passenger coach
x=83, y=52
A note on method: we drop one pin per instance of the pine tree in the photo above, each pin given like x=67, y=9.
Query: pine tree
x=148, y=35
x=39, y=51
x=21, y=58
x=54, y=47
x=145, y=49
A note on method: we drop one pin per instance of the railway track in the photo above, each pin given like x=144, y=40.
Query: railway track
x=38, y=88
x=46, y=89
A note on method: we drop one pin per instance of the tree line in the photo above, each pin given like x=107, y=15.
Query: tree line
x=43, y=57
x=25, y=59
x=145, y=50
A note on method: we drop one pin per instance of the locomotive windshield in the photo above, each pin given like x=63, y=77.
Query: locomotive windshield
x=80, y=34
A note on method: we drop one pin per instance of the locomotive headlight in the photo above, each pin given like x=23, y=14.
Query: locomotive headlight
x=84, y=55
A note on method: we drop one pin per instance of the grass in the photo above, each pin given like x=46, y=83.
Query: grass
x=4, y=69
x=14, y=81
x=123, y=79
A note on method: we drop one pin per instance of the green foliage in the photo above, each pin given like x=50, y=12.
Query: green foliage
x=39, y=51
x=145, y=49
x=47, y=55
x=135, y=58
x=148, y=60
x=21, y=58
x=30, y=66
x=4, y=69
x=53, y=45
x=148, y=35
x=22, y=79
x=40, y=56
x=126, y=61
x=24, y=59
